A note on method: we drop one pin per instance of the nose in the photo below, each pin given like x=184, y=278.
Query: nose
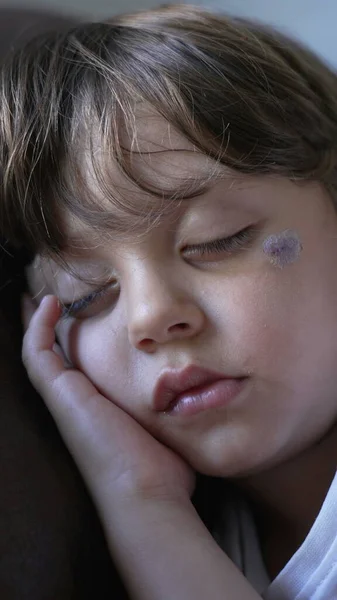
x=159, y=313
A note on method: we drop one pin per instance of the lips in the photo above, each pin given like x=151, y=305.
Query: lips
x=174, y=385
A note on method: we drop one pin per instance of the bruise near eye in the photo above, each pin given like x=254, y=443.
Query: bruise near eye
x=283, y=248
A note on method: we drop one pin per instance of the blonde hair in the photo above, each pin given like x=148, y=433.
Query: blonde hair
x=241, y=93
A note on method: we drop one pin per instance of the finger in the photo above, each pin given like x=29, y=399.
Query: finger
x=58, y=350
x=28, y=308
x=58, y=385
x=38, y=355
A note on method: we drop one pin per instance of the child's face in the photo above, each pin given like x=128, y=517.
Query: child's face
x=237, y=314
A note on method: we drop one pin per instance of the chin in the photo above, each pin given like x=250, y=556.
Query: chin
x=226, y=462
x=224, y=467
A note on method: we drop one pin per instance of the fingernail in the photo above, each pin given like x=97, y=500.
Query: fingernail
x=59, y=305
x=44, y=300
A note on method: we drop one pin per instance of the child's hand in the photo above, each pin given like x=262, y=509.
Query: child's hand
x=118, y=459
x=141, y=488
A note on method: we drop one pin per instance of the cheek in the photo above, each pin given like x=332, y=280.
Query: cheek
x=98, y=351
x=279, y=327
x=262, y=313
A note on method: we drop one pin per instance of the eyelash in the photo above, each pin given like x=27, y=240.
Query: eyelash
x=230, y=244
x=77, y=306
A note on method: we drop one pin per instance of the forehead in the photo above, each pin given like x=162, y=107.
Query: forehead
x=161, y=167
x=156, y=151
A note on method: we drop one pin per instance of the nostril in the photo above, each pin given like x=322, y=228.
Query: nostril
x=146, y=342
x=179, y=327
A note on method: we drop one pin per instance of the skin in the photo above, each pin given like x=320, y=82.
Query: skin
x=282, y=249
x=241, y=317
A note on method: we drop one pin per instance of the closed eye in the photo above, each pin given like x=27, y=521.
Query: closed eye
x=228, y=245
x=92, y=303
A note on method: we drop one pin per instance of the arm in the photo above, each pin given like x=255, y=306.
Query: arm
x=165, y=552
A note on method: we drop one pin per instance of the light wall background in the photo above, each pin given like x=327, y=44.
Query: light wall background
x=314, y=21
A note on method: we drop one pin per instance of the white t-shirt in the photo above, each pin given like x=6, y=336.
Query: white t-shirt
x=311, y=573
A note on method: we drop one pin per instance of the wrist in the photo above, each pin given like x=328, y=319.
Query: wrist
x=126, y=497
x=134, y=512
x=163, y=550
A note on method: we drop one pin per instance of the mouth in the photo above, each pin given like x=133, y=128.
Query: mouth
x=194, y=389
